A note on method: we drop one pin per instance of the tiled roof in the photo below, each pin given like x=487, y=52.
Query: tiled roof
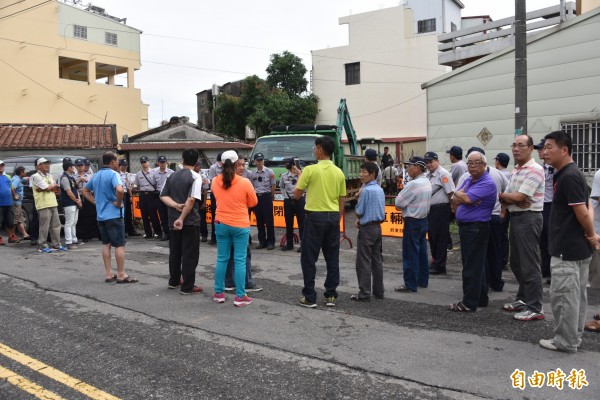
x=182, y=145
x=57, y=136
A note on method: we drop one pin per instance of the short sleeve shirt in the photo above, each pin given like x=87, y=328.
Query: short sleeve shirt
x=482, y=192
x=529, y=180
x=415, y=199
x=324, y=183
x=458, y=168
x=263, y=180
x=566, y=237
x=595, y=203
x=441, y=185
x=180, y=186
x=104, y=184
x=18, y=186
x=5, y=192
x=146, y=181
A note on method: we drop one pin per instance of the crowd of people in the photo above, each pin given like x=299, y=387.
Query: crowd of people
x=543, y=213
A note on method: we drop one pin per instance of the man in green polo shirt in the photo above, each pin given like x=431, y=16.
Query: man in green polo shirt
x=325, y=186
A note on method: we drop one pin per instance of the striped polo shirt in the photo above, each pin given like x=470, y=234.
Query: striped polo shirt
x=529, y=180
x=415, y=199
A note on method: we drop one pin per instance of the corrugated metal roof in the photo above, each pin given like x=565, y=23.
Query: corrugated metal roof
x=182, y=145
x=409, y=139
x=57, y=136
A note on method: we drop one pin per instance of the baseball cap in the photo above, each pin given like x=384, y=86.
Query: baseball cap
x=86, y=161
x=1, y=162
x=78, y=161
x=230, y=155
x=143, y=159
x=162, y=159
x=42, y=160
x=503, y=159
x=430, y=155
x=67, y=159
x=371, y=154
x=472, y=149
x=420, y=161
x=259, y=157
x=123, y=162
x=67, y=164
x=455, y=151
x=540, y=145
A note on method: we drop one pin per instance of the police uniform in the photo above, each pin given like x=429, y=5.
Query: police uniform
x=145, y=183
x=264, y=182
x=202, y=209
x=161, y=178
x=127, y=179
x=438, y=219
x=215, y=170
x=87, y=224
x=291, y=208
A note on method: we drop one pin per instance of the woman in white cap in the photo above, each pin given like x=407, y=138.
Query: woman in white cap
x=232, y=225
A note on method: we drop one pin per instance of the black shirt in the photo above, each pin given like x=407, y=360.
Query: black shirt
x=179, y=187
x=566, y=236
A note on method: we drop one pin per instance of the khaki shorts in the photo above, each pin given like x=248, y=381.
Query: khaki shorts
x=18, y=214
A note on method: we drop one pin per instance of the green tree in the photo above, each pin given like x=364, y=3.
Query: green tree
x=287, y=72
x=228, y=116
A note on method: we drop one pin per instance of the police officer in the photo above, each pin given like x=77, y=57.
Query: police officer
x=127, y=179
x=87, y=224
x=291, y=207
x=438, y=219
x=145, y=183
x=548, y=196
x=215, y=170
x=263, y=180
x=162, y=173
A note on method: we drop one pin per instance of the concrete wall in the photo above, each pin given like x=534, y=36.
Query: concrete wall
x=31, y=53
x=563, y=86
x=393, y=63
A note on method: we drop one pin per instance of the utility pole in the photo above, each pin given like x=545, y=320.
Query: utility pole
x=520, y=68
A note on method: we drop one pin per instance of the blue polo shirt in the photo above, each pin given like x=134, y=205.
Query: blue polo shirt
x=5, y=192
x=104, y=185
x=483, y=194
x=371, y=203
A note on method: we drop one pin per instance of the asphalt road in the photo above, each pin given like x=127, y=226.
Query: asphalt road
x=143, y=341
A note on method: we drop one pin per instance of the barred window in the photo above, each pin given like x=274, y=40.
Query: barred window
x=353, y=74
x=110, y=38
x=426, y=25
x=80, y=32
x=586, y=144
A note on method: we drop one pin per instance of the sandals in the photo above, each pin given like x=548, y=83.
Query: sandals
x=111, y=280
x=459, y=307
x=592, y=326
x=127, y=279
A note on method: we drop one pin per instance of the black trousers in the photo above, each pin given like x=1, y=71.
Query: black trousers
x=494, y=264
x=203, y=225
x=505, y=241
x=163, y=213
x=128, y=214
x=149, y=208
x=438, y=222
x=213, y=211
x=545, y=265
x=264, y=219
x=34, y=224
x=184, y=252
x=87, y=224
x=291, y=209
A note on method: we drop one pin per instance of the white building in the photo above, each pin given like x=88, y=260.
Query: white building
x=391, y=52
x=474, y=105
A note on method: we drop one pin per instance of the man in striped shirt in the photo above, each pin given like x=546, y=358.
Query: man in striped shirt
x=524, y=199
x=414, y=201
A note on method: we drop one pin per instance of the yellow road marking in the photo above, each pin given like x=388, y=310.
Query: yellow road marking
x=44, y=369
x=28, y=386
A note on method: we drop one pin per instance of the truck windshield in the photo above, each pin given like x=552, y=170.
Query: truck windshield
x=278, y=148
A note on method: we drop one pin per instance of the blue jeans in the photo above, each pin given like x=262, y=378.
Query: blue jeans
x=228, y=236
x=474, y=238
x=414, y=253
x=321, y=232
x=229, y=278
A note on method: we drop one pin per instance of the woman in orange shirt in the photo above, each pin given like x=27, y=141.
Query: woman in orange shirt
x=232, y=225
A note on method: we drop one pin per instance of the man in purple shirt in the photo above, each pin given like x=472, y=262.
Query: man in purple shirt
x=473, y=203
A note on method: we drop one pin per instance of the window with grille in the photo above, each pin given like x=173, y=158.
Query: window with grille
x=80, y=32
x=110, y=38
x=426, y=25
x=586, y=144
x=353, y=73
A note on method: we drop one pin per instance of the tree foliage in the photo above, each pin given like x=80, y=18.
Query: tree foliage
x=280, y=100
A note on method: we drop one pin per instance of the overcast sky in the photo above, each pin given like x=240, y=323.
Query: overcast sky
x=187, y=45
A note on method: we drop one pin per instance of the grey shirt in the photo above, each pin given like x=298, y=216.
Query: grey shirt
x=457, y=170
x=263, y=180
x=441, y=185
x=287, y=184
x=161, y=177
x=146, y=183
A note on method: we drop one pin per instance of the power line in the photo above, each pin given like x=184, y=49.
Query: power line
x=390, y=107
x=26, y=9
x=16, y=2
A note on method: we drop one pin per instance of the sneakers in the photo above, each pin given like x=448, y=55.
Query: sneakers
x=219, y=297
x=45, y=249
x=305, y=303
x=242, y=301
x=548, y=344
x=528, y=315
x=14, y=239
x=195, y=290
x=229, y=288
x=253, y=289
x=330, y=301
x=518, y=305
x=177, y=285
